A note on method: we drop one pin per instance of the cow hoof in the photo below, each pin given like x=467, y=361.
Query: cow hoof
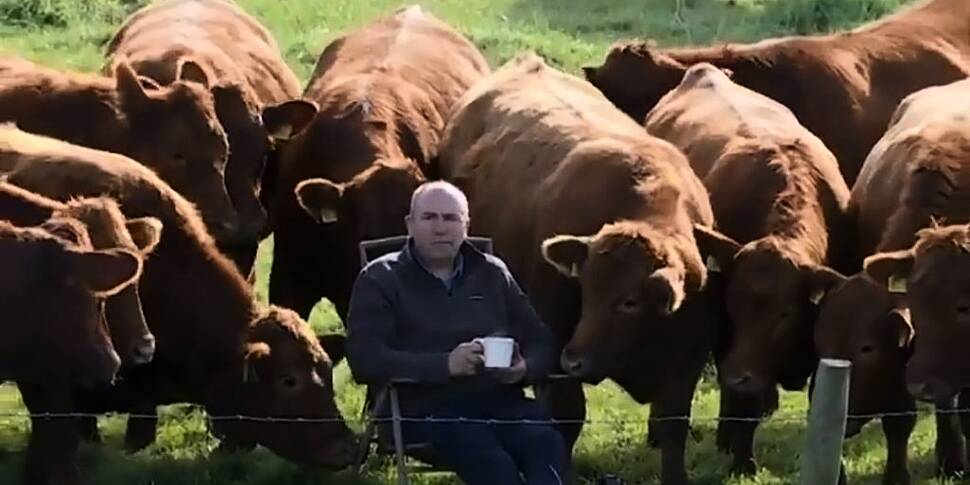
x=744, y=467
x=899, y=478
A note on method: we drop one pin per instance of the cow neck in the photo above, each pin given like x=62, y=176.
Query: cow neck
x=192, y=287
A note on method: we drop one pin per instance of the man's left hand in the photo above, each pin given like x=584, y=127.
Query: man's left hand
x=514, y=372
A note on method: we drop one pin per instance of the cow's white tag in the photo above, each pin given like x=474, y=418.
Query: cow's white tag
x=328, y=216
x=712, y=265
x=896, y=284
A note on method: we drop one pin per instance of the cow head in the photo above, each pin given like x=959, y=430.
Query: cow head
x=632, y=276
x=286, y=373
x=934, y=275
x=51, y=290
x=635, y=76
x=175, y=131
x=861, y=322
x=771, y=298
x=249, y=131
x=107, y=228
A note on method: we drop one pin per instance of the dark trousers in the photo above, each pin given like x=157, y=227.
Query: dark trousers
x=493, y=453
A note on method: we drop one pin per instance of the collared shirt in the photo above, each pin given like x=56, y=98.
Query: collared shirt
x=457, y=268
x=403, y=322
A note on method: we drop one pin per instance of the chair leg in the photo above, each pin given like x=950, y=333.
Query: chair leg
x=402, y=473
x=369, y=415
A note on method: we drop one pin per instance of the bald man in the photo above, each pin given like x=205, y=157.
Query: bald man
x=415, y=314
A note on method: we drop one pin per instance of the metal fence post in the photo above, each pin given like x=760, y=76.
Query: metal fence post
x=822, y=456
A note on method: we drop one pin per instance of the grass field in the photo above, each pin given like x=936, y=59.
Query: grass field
x=569, y=33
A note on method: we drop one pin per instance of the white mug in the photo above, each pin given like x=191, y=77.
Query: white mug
x=498, y=350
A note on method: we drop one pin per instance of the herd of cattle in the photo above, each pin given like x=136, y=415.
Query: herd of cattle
x=766, y=204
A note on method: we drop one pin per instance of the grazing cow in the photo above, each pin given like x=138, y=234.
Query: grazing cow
x=172, y=130
x=916, y=176
x=218, y=44
x=843, y=87
x=106, y=228
x=215, y=345
x=779, y=203
x=384, y=92
x=589, y=210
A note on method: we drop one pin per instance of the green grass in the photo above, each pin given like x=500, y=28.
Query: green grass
x=569, y=33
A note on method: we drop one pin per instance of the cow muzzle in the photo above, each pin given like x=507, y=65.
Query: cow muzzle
x=580, y=365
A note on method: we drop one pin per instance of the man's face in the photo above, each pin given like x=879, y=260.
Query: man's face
x=438, y=225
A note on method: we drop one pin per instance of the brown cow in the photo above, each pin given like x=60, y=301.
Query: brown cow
x=917, y=174
x=106, y=228
x=384, y=92
x=53, y=322
x=842, y=87
x=779, y=202
x=585, y=206
x=212, y=336
x=254, y=90
x=172, y=130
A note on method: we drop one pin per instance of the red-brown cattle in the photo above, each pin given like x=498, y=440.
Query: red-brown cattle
x=172, y=130
x=384, y=92
x=218, y=44
x=211, y=334
x=779, y=204
x=106, y=228
x=588, y=209
x=916, y=177
x=843, y=87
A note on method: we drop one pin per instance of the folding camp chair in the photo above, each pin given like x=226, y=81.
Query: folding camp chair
x=378, y=396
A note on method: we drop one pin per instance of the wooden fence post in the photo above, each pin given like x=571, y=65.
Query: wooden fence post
x=822, y=456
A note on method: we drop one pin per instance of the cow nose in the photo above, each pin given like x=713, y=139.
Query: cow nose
x=743, y=382
x=144, y=350
x=572, y=363
x=928, y=390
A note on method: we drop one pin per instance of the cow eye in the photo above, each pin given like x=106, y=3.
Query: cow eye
x=963, y=309
x=865, y=349
x=289, y=382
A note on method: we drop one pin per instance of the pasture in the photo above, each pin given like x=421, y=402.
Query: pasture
x=569, y=34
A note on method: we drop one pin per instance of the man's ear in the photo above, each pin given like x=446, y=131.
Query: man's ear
x=890, y=270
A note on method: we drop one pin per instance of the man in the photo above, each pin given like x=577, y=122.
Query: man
x=415, y=313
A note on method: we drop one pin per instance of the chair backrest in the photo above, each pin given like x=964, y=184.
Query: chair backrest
x=374, y=248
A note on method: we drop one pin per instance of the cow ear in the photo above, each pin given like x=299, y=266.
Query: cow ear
x=320, y=198
x=727, y=72
x=286, y=120
x=334, y=345
x=189, y=70
x=149, y=83
x=903, y=326
x=821, y=280
x=890, y=270
x=590, y=73
x=252, y=353
x=128, y=85
x=146, y=232
x=106, y=272
x=669, y=283
x=717, y=249
x=567, y=253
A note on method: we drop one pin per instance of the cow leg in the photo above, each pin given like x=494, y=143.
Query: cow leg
x=140, y=430
x=897, y=430
x=88, y=426
x=52, y=448
x=292, y=285
x=964, y=403
x=951, y=456
x=565, y=400
x=670, y=422
x=737, y=436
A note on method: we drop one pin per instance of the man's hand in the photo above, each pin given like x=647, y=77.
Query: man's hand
x=515, y=372
x=466, y=359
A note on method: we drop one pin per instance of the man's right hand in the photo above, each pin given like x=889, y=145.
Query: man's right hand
x=466, y=360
